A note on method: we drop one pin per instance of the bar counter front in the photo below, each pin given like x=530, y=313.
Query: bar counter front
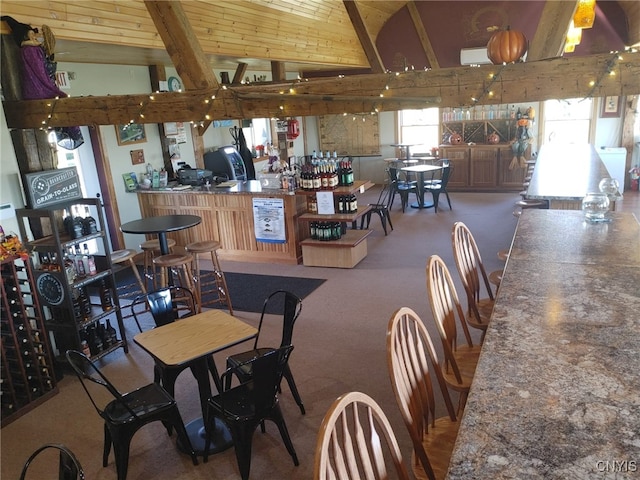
x=556, y=393
x=227, y=217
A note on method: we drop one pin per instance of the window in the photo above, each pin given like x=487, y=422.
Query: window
x=568, y=121
x=420, y=128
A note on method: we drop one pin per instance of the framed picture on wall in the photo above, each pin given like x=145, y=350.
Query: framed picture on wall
x=137, y=157
x=611, y=107
x=130, y=133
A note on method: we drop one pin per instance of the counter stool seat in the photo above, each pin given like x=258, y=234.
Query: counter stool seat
x=532, y=203
x=503, y=254
x=495, y=277
x=126, y=256
x=209, y=246
x=151, y=249
x=176, y=261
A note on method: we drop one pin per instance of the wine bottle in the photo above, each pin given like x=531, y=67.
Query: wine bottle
x=111, y=332
x=89, y=224
x=105, y=297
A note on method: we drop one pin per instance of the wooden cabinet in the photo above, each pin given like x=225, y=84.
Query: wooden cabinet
x=483, y=168
x=459, y=160
x=27, y=368
x=77, y=306
x=510, y=177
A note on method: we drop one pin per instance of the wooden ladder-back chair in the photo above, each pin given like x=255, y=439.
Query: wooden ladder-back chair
x=459, y=360
x=409, y=350
x=354, y=440
x=473, y=275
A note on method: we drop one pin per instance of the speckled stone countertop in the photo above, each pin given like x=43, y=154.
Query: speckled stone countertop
x=566, y=172
x=556, y=394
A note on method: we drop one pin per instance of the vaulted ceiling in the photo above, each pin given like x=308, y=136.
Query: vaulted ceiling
x=315, y=35
x=366, y=40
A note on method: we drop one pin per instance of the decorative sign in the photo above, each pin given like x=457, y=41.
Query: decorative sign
x=137, y=157
x=52, y=186
x=268, y=220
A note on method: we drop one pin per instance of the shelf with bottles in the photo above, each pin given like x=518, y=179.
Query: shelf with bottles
x=72, y=265
x=27, y=377
x=328, y=173
x=477, y=124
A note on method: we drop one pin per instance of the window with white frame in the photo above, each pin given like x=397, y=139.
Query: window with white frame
x=419, y=128
x=568, y=121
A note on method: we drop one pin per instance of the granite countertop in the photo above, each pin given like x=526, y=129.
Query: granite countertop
x=238, y=187
x=556, y=394
x=566, y=172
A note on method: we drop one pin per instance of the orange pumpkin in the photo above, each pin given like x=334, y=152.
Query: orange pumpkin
x=455, y=139
x=493, y=139
x=506, y=46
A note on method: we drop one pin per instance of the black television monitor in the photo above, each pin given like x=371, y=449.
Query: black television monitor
x=225, y=162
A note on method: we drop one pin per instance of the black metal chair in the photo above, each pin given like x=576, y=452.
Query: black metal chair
x=437, y=188
x=244, y=407
x=381, y=208
x=69, y=467
x=400, y=186
x=291, y=308
x=127, y=412
x=166, y=306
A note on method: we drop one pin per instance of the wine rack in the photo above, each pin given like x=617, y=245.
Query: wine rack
x=80, y=305
x=27, y=369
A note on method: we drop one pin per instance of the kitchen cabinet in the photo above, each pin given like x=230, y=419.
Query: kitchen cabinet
x=80, y=303
x=27, y=367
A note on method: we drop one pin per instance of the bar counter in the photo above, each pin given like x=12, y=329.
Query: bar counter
x=564, y=174
x=227, y=217
x=556, y=394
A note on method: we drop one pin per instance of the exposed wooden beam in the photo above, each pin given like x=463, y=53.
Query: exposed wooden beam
x=366, y=40
x=278, y=72
x=182, y=45
x=422, y=34
x=240, y=71
x=489, y=84
x=549, y=39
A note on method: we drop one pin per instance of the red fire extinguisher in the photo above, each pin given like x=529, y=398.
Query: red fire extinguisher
x=293, y=129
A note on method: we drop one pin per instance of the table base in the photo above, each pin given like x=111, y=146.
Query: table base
x=220, y=440
x=424, y=205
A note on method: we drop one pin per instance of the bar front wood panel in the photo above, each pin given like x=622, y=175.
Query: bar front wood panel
x=484, y=167
x=510, y=178
x=228, y=219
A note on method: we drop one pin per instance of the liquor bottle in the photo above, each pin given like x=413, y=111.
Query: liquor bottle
x=85, y=303
x=353, y=203
x=67, y=222
x=88, y=261
x=89, y=224
x=78, y=226
x=105, y=297
x=111, y=332
x=84, y=345
x=317, y=182
x=69, y=266
x=324, y=177
x=78, y=311
x=104, y=336
x=77, y=258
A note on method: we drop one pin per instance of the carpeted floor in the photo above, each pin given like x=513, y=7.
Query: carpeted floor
x=246, y=290
x=339, y=346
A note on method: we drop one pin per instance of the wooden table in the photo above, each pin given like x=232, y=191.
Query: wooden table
x=191, y=341
x=421, y=170
x=556, y=390
x=564, y=174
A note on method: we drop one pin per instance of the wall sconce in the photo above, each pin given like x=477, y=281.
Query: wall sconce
x=585, y=14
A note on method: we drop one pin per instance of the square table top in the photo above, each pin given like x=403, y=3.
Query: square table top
x=193, y=337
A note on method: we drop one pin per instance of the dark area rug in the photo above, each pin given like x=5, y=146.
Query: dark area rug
x=247, y=290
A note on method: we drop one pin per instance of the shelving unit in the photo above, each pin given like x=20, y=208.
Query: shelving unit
x=477, y=131
x=75, y=310
x=27, y=368
x=347, y=251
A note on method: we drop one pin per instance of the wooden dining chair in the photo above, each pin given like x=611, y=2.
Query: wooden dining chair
x=480, y=297
x=459, y=360
x=354, y=441
x=409, y=351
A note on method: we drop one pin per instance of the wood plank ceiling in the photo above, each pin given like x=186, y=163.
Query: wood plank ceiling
x=289, y=37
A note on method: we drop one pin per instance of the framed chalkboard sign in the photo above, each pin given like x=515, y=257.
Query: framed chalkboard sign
x=52, y=186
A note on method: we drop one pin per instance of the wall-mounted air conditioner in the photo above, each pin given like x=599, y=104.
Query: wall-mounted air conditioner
x=474, y=56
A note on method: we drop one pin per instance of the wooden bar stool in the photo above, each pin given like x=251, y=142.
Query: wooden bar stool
x=126, y=256
x=209, y=246
x=181, y=262
x=151, y=248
